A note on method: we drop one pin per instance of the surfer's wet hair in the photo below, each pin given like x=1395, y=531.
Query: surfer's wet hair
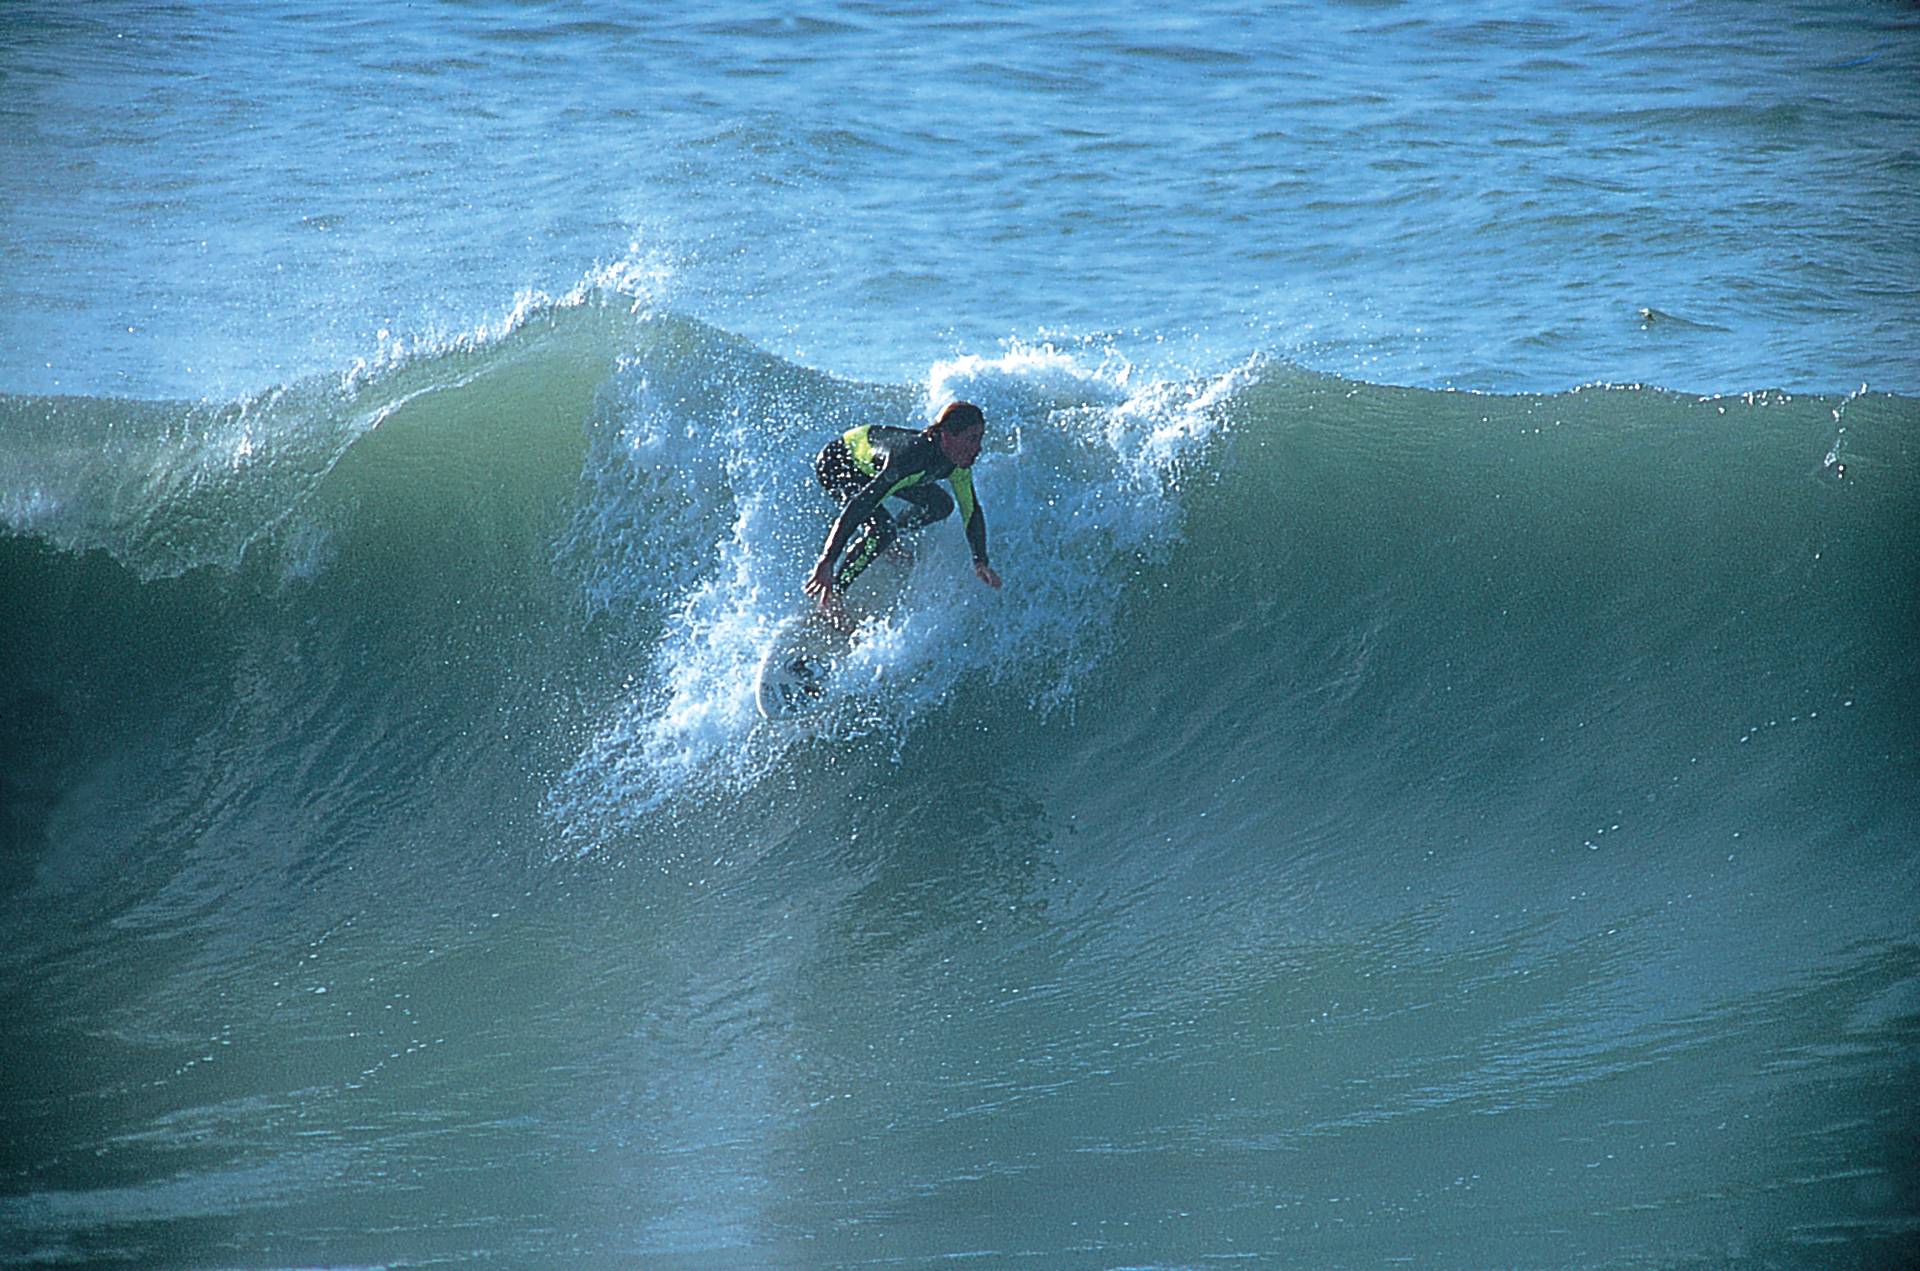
x=958, y=417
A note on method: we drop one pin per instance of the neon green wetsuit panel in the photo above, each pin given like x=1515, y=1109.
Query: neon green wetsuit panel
x=962, y=483
x=860, y=446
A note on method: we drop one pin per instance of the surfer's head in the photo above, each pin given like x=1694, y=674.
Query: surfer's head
x=959, y=428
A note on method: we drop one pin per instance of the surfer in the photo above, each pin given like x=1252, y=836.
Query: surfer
x=865, y=465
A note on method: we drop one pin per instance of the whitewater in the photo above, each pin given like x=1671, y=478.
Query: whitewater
x=1438, y=787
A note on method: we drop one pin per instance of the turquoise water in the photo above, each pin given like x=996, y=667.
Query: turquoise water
x=206, y=200
x=1376, y=823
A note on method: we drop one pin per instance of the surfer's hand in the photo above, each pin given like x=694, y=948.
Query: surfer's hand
x=987, y=575
x=819, y=583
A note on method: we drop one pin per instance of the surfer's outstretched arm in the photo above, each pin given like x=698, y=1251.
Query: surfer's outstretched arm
x=820, y=583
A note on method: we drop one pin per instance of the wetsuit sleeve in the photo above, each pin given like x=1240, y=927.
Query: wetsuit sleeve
x=970, y=513
x=854, y=515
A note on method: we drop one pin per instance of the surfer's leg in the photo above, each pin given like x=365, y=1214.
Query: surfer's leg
x=930, y=504
x=837, y=473
x=842, y=479
x=868, y=542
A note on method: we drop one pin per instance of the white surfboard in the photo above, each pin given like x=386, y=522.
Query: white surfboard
x=792, y=677
x=806, y=649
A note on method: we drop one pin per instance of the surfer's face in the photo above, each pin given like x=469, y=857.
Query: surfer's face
x=962, y=448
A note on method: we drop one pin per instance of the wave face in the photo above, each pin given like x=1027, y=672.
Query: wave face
x=1371, y=823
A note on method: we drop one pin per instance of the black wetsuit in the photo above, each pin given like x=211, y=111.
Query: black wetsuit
x=865, y=465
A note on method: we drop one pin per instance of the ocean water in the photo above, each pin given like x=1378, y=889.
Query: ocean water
x=1440, y=785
